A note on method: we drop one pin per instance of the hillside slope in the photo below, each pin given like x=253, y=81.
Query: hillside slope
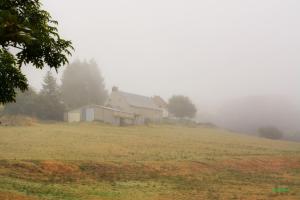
x=96, y=161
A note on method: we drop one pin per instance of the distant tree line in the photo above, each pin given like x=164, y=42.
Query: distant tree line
x=82, y=84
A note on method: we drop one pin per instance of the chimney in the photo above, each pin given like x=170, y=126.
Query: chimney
x=115, y=89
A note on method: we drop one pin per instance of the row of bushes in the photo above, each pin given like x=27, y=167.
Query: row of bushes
x=17, y=120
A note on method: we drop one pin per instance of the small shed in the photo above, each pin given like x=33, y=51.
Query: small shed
x=113, y=116
x=73, y=116
x=105, y=114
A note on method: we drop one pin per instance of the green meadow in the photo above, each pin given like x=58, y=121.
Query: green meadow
x=94, y=161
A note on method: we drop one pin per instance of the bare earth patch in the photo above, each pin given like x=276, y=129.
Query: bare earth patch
x=13, y=196
x=58, y=167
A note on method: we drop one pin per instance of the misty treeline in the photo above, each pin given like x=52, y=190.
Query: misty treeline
x=270, y=116
x=82, y=84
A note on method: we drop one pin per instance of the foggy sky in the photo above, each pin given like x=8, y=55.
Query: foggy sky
x=209, y=50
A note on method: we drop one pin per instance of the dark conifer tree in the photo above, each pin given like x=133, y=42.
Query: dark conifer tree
x=83, y=84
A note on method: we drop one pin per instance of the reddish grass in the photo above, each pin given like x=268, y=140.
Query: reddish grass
x=13, y=196
x=275, y=164
x=57, y=167
x=136, y=171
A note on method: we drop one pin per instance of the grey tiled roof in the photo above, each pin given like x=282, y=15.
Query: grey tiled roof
x=139, y=100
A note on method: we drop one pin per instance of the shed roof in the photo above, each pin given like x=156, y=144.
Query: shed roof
x=98, y=106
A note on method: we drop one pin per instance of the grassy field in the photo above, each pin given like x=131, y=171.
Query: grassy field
x=101, y=162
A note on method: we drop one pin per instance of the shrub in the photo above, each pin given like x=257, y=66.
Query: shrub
x=270, y=132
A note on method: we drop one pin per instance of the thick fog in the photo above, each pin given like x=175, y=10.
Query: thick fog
x=212, y=51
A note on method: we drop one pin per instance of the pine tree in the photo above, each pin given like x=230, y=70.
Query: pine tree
x=51, y=106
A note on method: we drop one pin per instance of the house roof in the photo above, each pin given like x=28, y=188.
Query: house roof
x=139, y=100
x=160, y=102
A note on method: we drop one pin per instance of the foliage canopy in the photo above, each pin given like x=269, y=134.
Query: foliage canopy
x=181, y=106
x=28, y=35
